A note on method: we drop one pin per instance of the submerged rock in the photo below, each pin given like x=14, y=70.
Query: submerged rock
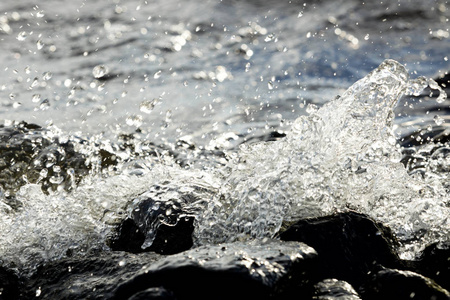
x=397, y=284
x=259, y=270
x=349, y=244
x=333, y=289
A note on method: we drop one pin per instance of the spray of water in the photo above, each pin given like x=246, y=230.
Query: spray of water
x=341, y=156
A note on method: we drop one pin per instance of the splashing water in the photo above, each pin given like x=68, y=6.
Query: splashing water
x=343, y=155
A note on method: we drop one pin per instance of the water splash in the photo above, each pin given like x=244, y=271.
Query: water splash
x=343, y=155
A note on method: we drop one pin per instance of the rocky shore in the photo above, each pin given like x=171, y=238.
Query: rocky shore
x=341, y=256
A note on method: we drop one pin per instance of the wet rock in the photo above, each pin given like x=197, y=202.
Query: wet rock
x=333, y=289
x=397, y=284
x=349, y=245
x=435, y=263
x=85, y=277
x=168, y=239
x=160, y=220
x=262, y=270
x=128, y=238
x=269, y=269
x=9, y=284
x=153, y=293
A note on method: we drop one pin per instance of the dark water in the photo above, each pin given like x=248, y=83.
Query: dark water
x=193, y=79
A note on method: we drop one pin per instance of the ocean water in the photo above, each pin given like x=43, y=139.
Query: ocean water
x=185, y=95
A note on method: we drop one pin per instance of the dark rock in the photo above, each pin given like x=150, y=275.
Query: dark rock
x=174, y=239
x=153, y=293
x=9, y=284
x=435, y=263
x=85, y=277
x=168, y=239
x=160, y=220
x=397, y=284
x=129, y=237
x=269, y=269
x=349, y=244
x=333, y=289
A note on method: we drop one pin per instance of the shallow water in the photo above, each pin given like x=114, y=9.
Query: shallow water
x=171, y=89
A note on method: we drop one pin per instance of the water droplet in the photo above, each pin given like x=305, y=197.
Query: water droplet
x=438, y=120
x=147, y=106
x=22, y=36
x=366, y=37
x=47, y=76
x=247, y=67
x=435, y=86
x=157, y=74
x=38, y=292
x=39, y=44
x=35, y=82
x=40, y=14
x=134, y=120
x=270, y=85
x=100, y=71
x=185, y=83
x=311, y=108
x=44, y=105
x=122, y=263
x=36, y=98
x=168, y=116
x=269, y=38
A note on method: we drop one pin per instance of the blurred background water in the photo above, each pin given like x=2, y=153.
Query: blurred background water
x=209, y=72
